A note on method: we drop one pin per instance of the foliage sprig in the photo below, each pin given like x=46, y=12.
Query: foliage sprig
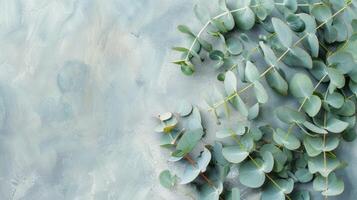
x=318, y=40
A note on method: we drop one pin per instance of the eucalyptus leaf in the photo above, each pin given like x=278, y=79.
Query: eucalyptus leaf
x=276, y=81
x=234, y=194
x=349, y=135
x=303, y=175
x=334, y=186
x=317, y=164
x=239, y=104
x=234, y=154
x=230, y=83
x=322, y=13
x=301, y=86
x=271, y=191
x=288, y=140
x=280, y=158
x=312, y=127
x=343, y=61
x=348, y=108
x=250, y=174
x=295, y=23
x=244, y=18
x=191, y=171
x=335, y=125
x=189, y=140
x=283, y=32
x=209, y=192
x=269, y=56
x=167, y=180
x=312, y=105
x=260, y=92
x=335, y=99
x=251, y=72
x=313, y=45
x=234, y=46
x=309, y=147
x=289, y=115
x=297, y=57
x=228, y=132
x=337, y=80
x=253, y=111
x=319, y=70
x=300, y=195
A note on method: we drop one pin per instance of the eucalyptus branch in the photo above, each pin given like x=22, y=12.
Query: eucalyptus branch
x=225, y=100
x=206, y=25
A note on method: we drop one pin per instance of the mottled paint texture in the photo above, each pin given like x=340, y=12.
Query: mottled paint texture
x=80, y=82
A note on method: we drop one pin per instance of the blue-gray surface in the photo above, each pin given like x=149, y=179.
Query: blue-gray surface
x=79, y=83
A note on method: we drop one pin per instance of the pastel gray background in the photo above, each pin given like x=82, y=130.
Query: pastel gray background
x=80, y=82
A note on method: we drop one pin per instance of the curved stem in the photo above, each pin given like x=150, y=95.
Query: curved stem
x=206, y=25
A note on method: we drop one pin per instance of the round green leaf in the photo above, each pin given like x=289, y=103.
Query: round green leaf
x=335, y=100
x=303, y=175
x=268, y=159
x=336, y=78
x=276, y=81
x=234, y=46
x=230, y=83
x=228, y=132
x=191, y=171
x=300, y=195
x=251, y=175
x=347, y=109
x=189, y=140
x=297, y=57
x=309, y=21
x=289, y=115
x=187, y=69
x=185, y=109
x=283, y=32
x=234, y=194
x=269, y=55
x=334, y=186
x=322, y=13
x=349, y=135
x=280, y=157
x=251, y=72
x=317, y=164
x=234, y=154
x=271, y=191
x=301, y=86
x=253, y=111
x=295, y=23
x=319, y=70
x=167, y=180
x=165, y=116
x=313, y=45
x=245, y=18
x=309, y=147
x=335, y=125
x=260, y=93
x=343, y=61
x=288, y=140
x=312, y=127
x=312, y=105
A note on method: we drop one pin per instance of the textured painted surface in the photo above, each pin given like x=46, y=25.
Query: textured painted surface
x=80, y=81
